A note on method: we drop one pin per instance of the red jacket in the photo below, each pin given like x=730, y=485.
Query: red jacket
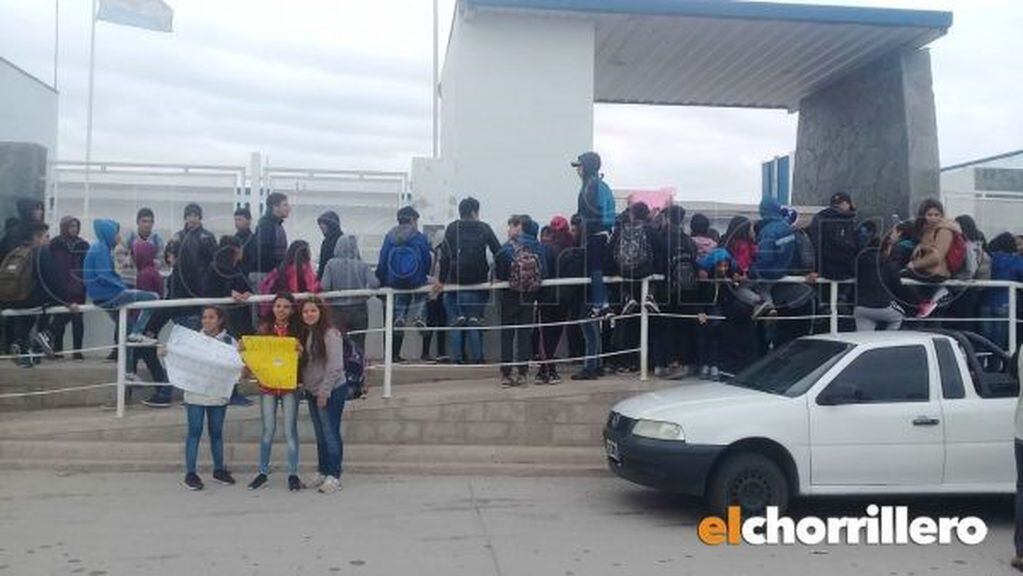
x=291, y=284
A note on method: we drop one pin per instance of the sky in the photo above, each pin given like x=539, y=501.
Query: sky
x=345, y=84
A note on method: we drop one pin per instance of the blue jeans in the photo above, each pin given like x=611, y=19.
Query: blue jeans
x=591, y=337
x=130, y=297
x=268, y=406
x=215, y=425
x=330, y=447
x=470, y=305
x=408, y=308
x=596, y=244
x=996, y=329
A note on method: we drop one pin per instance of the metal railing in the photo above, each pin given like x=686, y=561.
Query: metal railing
x=389, y=329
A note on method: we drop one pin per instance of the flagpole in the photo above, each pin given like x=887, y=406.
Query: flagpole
x=436, y=74
x=56, y=40
x=88, y=123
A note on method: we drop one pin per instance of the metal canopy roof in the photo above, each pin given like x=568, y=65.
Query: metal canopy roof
x=730, y=54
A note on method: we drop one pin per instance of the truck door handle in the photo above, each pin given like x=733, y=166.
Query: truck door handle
x=925, y=421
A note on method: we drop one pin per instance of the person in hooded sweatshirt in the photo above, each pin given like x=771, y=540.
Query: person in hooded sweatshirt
x=47, y=289
x=776, y=245
x=595, y=226
x=404, y=264
x=347, y=271
x=517, y=307
x=330, y=225
x=69, y=251
x=104, y=286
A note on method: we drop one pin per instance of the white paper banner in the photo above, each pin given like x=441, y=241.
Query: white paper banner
x=197, y=363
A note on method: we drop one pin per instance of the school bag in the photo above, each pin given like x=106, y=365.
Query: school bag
x=525, y=275
x=956, y=256
x=17, y=275
x=634, y=253
x=355, y=369
x=682, y=275
x=805, y=258
x=403, y=266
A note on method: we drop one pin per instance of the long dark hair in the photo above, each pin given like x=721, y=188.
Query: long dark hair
x=298, y=256
x=739, y=228
x=269, y=320
x=313, y=337
x=969, y=227
x=925, y=207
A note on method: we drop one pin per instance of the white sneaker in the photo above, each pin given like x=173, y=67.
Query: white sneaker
x=317, y=481
x=141, y=341
x=330, y=485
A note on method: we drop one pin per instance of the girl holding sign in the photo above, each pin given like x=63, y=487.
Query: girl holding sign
x=212, y=409
x=323, y=378
x=281, y=324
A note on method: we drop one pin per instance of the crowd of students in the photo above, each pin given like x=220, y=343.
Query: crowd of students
x=719, y=304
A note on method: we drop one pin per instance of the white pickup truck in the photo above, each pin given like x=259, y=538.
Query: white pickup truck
x=851, y=413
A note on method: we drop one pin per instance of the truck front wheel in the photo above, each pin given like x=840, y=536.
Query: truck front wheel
x=750, y=481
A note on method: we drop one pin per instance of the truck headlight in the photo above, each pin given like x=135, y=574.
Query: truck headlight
x=658, y=430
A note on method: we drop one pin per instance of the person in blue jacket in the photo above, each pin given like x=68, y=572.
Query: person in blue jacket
x=104, y=285
x=404, y=264
x=1006, y=264
x=519, y=301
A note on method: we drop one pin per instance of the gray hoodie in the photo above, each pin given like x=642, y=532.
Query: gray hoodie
x=347, y=271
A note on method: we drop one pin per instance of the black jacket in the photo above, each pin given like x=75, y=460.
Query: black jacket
x=244, y=237
x=877, y=278
x=195, y=254
x=463, y=257
x=833, y=234
x=333, y=223
x=268, y=247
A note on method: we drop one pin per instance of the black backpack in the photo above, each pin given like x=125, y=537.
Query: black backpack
x=634, y=253
x=682, y=275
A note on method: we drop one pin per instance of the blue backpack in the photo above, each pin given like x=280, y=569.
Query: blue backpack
x=606, y=198
x=403, y=266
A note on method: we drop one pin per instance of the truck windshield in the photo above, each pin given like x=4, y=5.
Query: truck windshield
x=793, y=368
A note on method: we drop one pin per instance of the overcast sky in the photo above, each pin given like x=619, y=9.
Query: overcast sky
x=345, y=84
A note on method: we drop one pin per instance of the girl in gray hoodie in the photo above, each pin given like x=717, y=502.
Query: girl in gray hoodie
x=322, y=370
x=347, y=271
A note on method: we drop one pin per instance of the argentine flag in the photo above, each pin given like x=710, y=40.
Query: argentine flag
x=149, y=14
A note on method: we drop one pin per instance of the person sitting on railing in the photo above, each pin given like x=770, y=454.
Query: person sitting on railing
x=1006, y=264
x=295, y=275
x=522, y=262
x=463, y=262
x=104, y=286
x=69, y=251
x=30, y=278
x=776, y=248
x=404, y=264
x=124, y=252
x=940, y=254
x=347, y=271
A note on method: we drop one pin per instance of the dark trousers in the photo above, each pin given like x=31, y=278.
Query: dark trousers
x=60, y=322
x=550, y=336
x=708, y=340
x=1018, y=537
x=516, y=309
x=435, y=316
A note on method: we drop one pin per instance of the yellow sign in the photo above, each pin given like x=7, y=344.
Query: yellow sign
x=273, y=361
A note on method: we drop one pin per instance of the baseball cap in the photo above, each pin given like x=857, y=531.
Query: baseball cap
x=839, y=197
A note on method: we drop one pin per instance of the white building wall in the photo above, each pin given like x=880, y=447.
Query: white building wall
x=28, y=109
x=517, y=107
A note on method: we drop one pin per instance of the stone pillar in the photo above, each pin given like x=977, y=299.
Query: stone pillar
x=872, y=134
x=22, y=175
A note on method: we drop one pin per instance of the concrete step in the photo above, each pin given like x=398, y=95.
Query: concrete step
x=426, y=459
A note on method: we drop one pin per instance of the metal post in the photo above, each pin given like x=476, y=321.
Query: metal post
x=1013, y=344
x=435, y=93
x=834, y=307
x=644, y=333
x=122, y=359
x=88, y=122
x=388, y=341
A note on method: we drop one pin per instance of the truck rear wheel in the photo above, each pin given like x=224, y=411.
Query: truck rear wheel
x=750, y=481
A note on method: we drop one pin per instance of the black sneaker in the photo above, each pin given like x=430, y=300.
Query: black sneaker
x=192, y=481
x=553, y=377
x=77, y=356
x=541, y=377
x=224, y=477
x=258, y=482
x=112, y=357
x=158, y=402
x=294, y=484
x=584, y=375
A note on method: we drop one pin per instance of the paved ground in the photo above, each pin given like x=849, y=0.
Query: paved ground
x=96, y=524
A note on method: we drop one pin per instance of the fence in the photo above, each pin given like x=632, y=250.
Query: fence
x=389, y=329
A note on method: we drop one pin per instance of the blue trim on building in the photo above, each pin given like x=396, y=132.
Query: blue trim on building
x=739, y=10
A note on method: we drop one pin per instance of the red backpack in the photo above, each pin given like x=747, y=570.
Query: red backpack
x=956, y=256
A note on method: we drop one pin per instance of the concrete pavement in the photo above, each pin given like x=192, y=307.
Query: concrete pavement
x=139, y=524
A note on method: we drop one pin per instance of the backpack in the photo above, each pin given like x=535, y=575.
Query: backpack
x=682, y=268
x=634, y=253
x=525, y=274
x=606, y=201
x=956, y=256
x=17, y=275
x=975, y=261
x=403, y=266
x=355, y=369
x=805, y=258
